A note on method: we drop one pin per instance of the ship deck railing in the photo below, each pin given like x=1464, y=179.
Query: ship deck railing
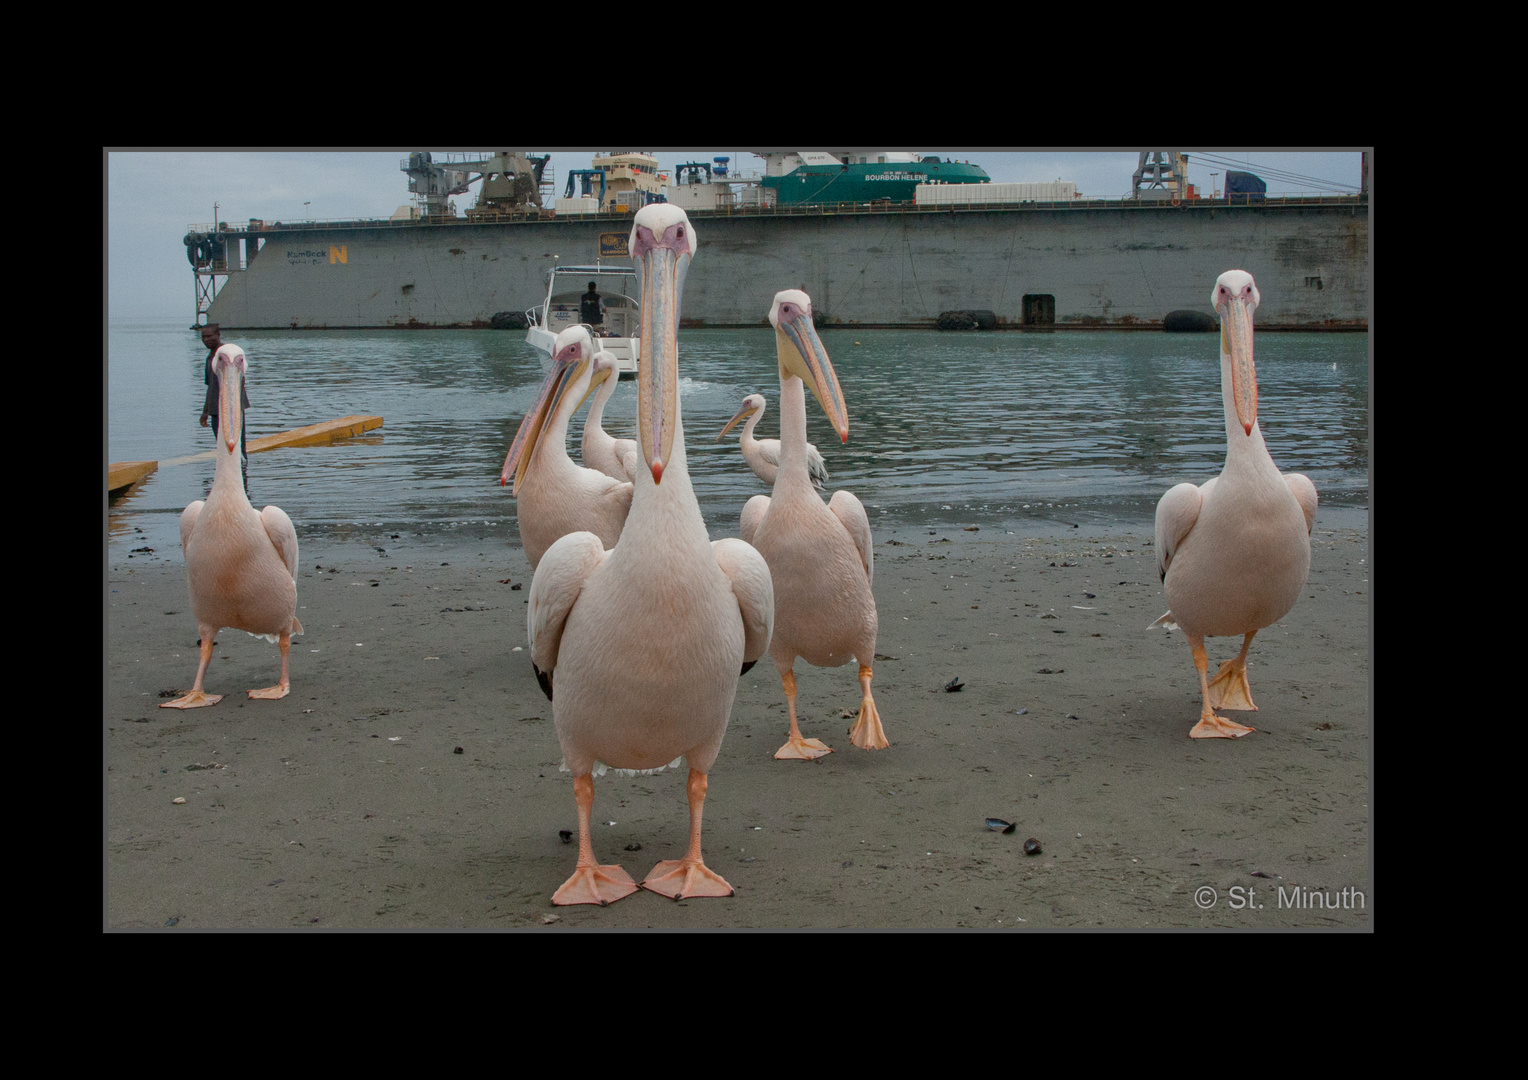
x=806, y=210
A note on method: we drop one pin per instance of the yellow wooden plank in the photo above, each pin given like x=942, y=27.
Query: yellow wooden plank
x=120, y=474
x=314, y=434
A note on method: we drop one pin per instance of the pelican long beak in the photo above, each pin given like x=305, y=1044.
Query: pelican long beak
x=802, y=355
x=663, y=269
x=230, y=411
x=743, y=414
x=1236, y=342
x=564, y=373
x=597, y=378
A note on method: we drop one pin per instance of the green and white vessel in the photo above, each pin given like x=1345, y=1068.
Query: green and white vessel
x=797, y=177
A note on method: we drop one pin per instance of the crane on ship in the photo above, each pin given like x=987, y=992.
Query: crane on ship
x=512, y=181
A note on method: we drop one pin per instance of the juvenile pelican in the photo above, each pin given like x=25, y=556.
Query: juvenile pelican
x=553, y=495
x=241, y=565
x=819, y=556
x=763, y=455
x=640, y=646
x=614, y=457
x=1234, y=552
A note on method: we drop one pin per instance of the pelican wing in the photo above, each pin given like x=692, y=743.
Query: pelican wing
x=618, y=499
x=1176, y=513
x=753, y=513
x=629, y=456
x=816, y=468
x=616, y=458
x=765, y=461
x=755, y=591
x=1305, y=494
x=278, y=526
x=555, y=588
x=851, y=513
x=188, y=518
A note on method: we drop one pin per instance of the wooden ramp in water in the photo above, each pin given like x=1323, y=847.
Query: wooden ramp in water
x=124, y=474
x=314, y=434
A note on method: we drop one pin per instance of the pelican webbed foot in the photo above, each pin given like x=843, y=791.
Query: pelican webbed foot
x=797, y=748
x=867, y=733
x=1229, y=688
x=284, y=687
x=194, y=700
x=197, y=698
x=593, y=884
x=681, y=879
x=1211, y=726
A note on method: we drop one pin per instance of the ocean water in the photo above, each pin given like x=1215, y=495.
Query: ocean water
x=1016, y=430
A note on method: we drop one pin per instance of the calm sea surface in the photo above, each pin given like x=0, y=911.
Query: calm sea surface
x=1024, y=430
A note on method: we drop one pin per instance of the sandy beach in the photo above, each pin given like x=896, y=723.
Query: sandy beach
x=410, y=779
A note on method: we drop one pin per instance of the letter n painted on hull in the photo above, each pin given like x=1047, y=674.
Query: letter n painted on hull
x=338, y=254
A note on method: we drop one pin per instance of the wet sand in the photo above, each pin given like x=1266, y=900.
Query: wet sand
x=410, y=779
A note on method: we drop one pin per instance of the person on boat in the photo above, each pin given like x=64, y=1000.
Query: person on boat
x=212, y=337
x=591, y=309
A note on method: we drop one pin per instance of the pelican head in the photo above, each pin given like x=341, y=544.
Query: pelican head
x=802, y=355
x=752, y=404
x=572, y=371
x=605, y=368
x=1236, y=298
x=229, y=366
x=662, y=244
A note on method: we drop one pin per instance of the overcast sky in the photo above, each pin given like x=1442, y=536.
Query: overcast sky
x=153, y=197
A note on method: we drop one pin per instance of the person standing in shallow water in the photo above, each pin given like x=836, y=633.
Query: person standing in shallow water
x=212, y=337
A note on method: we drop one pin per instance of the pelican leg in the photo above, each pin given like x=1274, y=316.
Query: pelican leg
x=866, y=732
x=796, y=748
x=1229, y=688
x=196, y=699
x=1210, y=726
x=689, y=876
x=591, y=883
x=284, y=687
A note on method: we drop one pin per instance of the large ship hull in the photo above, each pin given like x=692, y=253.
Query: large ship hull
x=1100, y=265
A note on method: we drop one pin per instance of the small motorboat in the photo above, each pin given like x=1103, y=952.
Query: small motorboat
x=617, y=332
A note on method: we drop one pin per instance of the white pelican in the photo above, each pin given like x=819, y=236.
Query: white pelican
x=614, y=457
x=241, y=565
x=1234, y=552
x=640, y=646
x=819, y=556
x=553, y=495
x=763, y=455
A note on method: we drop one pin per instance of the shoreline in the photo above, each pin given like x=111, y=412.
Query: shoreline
x=346, y=805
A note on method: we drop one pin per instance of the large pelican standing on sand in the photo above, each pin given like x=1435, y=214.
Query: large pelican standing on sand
x=1234, y=552
x=600, y=450
x=819, y=556
x=640, y=646
x=554, y=496
x=763, y=455
x=241, y=565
